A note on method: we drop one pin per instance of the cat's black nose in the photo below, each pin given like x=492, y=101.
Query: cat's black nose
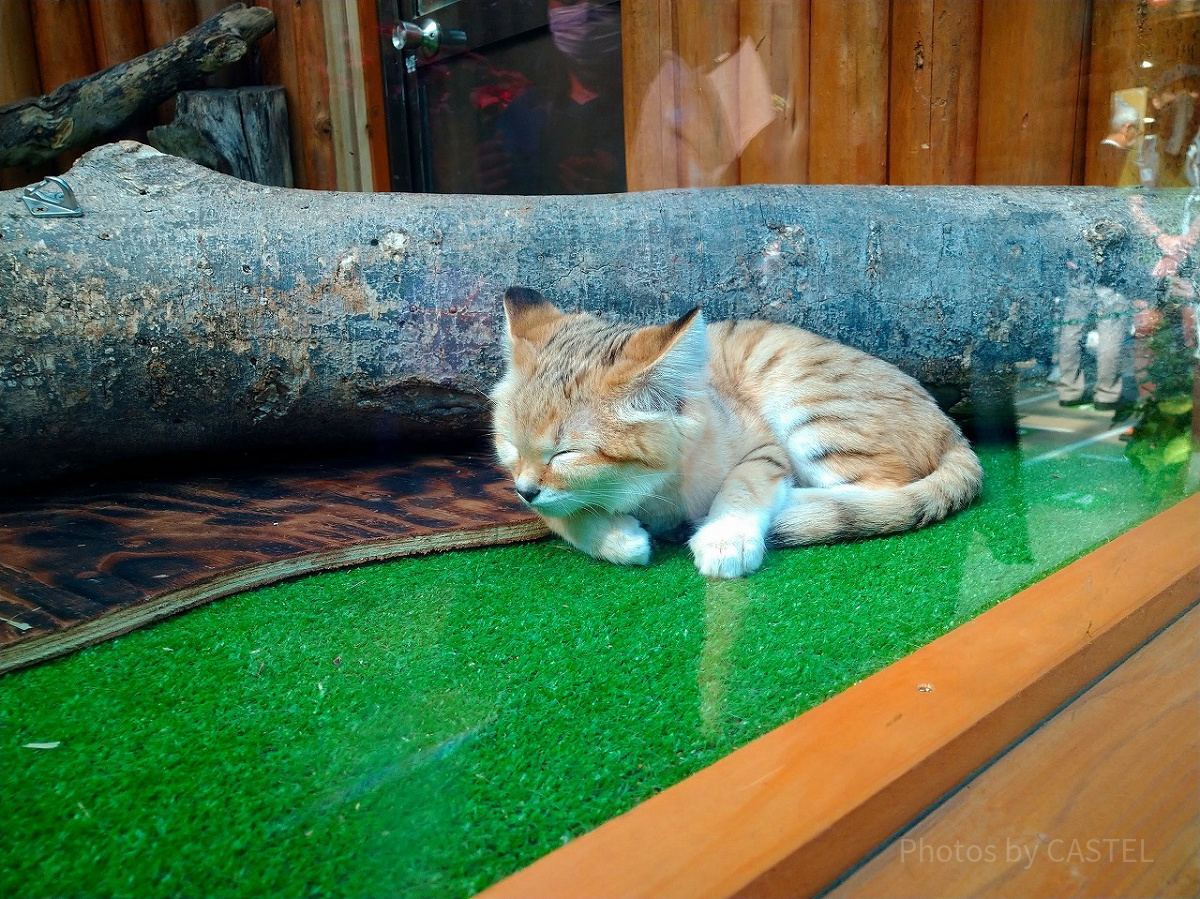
x=529, y=494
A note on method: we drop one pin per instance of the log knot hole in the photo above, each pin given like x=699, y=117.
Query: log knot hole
x=1103, y=235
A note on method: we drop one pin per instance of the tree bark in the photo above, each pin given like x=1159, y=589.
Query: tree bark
x=241, y=131
x=38, y=128
x=189, y=311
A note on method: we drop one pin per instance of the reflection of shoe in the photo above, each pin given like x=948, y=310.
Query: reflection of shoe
x=1078, y=401
x=1106, y=407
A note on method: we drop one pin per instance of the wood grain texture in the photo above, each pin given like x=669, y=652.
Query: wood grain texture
x=1103, y=800
x=707, y=36
x=118, y=30
x=934, y=91
x=848, y=98
x=19, y=76
x=792, y=811
x=86, y=563
x=779, y=33
x=59, y=60
x=312, y=125
x=374, y=121
x=165, y=20
x=650, y=94
x=1032, y=90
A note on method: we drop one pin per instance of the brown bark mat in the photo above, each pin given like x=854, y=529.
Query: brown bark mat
x=90, y=562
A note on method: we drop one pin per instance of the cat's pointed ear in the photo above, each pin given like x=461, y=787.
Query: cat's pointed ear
x=671, y=361
x=528, y=312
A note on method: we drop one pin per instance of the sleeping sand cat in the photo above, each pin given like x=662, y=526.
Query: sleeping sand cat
x=753, y=432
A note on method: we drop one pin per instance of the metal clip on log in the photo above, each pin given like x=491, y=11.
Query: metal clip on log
x=51, y=197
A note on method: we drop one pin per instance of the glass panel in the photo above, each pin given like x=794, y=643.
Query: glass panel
x=427, y=726
x=537, y=113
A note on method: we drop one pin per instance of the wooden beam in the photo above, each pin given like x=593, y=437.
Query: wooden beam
x=933, y=117
x=791, y=812
x=650, y=89
x=779, y=33
x=374, y=122
x=118, y=30
x=1030, y=91
x=849, y=92
x=312, y=122
x=19, y=76
x=1099, y=801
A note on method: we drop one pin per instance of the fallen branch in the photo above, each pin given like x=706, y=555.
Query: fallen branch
x=84, y=110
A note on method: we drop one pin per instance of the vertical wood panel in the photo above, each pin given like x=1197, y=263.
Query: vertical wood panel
x=779, y=32
x=848, y=105
x=1079, y=154
x=279, y=64
x=117, y=30
x=1030, y=90
x=165, y=20
x=648, y=65
x=340, y=44
x=372, y=70
x=934, y=91
x=707, y=33
x=62, y=34
x=312, y=110
x=19, y=76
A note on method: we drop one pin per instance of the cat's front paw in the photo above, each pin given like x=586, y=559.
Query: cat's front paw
x=625, y=543
x=729, y=547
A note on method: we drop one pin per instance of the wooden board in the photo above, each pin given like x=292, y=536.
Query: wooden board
x=779, y=32
x=372, y=76
x=118, y=30
x=19, y=76
x=794, y=810
x=933, y=114
x=1103, y=800
x=848, y=98
x=86, y=563
x=1032, y=91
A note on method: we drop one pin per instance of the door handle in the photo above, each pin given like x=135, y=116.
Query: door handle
x=426, y=37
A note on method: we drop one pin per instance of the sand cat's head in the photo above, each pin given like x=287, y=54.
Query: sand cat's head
x=589, y=414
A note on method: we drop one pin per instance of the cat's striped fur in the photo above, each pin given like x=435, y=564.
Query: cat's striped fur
x=753, y=432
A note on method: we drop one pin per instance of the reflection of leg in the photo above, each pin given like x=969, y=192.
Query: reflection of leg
x=1070, y=353
x=1145, y=323
x=1112, y=328
x=724, y=605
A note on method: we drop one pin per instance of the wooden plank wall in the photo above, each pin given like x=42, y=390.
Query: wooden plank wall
x=338, y=132
x=717, y=91
x=893, y=91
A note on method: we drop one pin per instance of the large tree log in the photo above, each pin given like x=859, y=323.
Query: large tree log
x=189, y=311
x=38, y=128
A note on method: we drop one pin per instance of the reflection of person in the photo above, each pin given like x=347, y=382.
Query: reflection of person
x=1092, y=300
x=1117, y=157
x=568, y=140
x=1111, y=321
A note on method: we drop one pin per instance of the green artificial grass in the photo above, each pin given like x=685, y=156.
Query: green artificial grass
x=425, y=727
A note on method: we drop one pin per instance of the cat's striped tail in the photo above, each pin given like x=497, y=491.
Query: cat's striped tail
x=830, y=514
